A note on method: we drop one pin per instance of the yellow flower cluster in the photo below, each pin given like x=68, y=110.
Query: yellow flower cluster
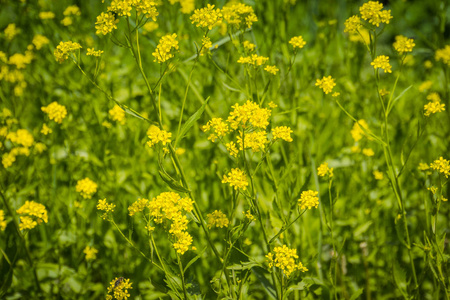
x=137, y=206
x=91, y=253
x=250, y=112
x=239, y=15
x=254, y=60
x=117, y=114
x=2, y=220
x=326, y=84
x=93, y=52
x=373, y=13
x=105, y=23
x=124, y=7
x=164, y=51
x=443, y=55
x=378, y=175
x=434, y=105
x=39, y=41
x=272, y=69
x=256, y=140
x=284, y=259
x=236, y=178
x=207, y=17
x=20, y=60
x=217, y=219
x=323, y=170
x=352, y=24
x=86, y=187
x=187, y=6
x=297, y=42
x=46, y=15
x=442, y=165
x=157, y=135
x=46, y=130
x=22, y=137
x=218, y=127
x=382, y=62
x=248, y=214
x=250, y=47
x=63, y=50
x=32, y=214
x=357, y=131
x=171, y=207
x=308, y=199
x=118, y=289
x=368, y=152
x=11, y=31
x=55, y=111
x=282, y=132
x=402, y=44
x=106, y=207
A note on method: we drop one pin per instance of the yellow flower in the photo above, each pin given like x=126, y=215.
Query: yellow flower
x=248, y=214
x=382, y=62
x=86, y=187
x=239, y=15
x=423, y=167
x=368, y=152
x=297, y=42
x=72, y=10
x=117, y=114
x=46, y=130
x=433, y=107
x=67, y=21
x=249, y=112
x=326, y=84
x=93, y=52
x=164, y=51
x=250, y=47
x=91, y=253
x=32, y=214
x=11, y=31
x=106, y=207
x=231, y=148
x=137, y=206
x=359, y=130
x=373, y=13
x=63, y=50
x=323, y=170
x=118, y=288
x=207, y=17
x=254, y=60
x=256, y=140
x=236, y=178
x=22, y=137
x=352, y=24
x=106, y=23
x=426, y=85
x=272, y=69
x=217, y=219
x=157, y=135
x=55, y=111
x=46, y=15
x=284, y=259
x=378, y=175
x=2, y=220
x=442, y=165
x=218, y=127
x=282, y=132
x=443, y=55
x=308, y=199
x=402, y=44
x=20, y=60
x=39, y=41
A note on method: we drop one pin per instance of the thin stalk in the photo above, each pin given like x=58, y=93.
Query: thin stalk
x=180, y=265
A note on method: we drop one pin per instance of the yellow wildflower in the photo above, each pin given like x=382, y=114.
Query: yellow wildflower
x=402, y=44
x=218, y=127
x=55, y=111
x=157, y=135
x=256, y=140
x=118, y=288
x=368, y=152
x=207, y=17
x=93, y=52
x=308, y=199
x=359, y=129
x=284, y=259
x=272, y=69
x=326, y=84
x=11, y=31
x=297, y=42
x=32, y=214
x=442, y=165
x=63, y=50
x=378, y=175
x=2, y=220
x=282, y=132
x=106, y=207
x=443, y=55
x=239, y=15
x=91, y=253
x=323, y=170
x=382, y=62
x=217, y=219
x=373, y=13
x=164, y=50
x=352, y=24
x=236, y=178
x=86, y=187
x=46, y=15
x=39, y=41
x=137, y=206
x=117, y=114
x=106, y=23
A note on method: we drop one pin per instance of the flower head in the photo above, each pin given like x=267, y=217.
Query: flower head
x=236, y=178
x=106, y=207
x=443, y=55
x=285, y=259
x=166, y=46
x=55, y=111
x=352, y=24
x=442, y=166
x=382, y=62
x=323, y=170
x=91, y=253
x=239, y=15
x=217, y=219
x=402, y=44
x=282, y=132
x=2, y=220
x=373, y=13
x=117, y=114
x=207, y=17
x=86, y=188
x=326, y=84
x=118, y=289
x=297, y=42
x=63, y=50
x=308, y=199
x=106, y=23
x=32, y=214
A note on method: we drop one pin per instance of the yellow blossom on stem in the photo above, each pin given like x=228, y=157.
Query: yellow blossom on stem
x=55, y=111
x=282, y=132
x=442, y=166
x=297, y=42
x=382, y=62
x=217, y=219
x=217, y=127
x=86, y=187
x=117, y=114
x=359, y=130
x=46, y=130
x=106, y=23
x=239, y=15
x=236, y=178
x=249, y=112
x=164, y=51
x=402, y=44
x=63, y=50
x=91, y=253
x=118, y=289
x=352, y=24
x=32, y=214
x=157, y=135
x=93, y=52
x=22, y=137
x=326, y=84
x=137, y=206
x=106, y=207
x=323, y=170
x=285, y=259
x=2, y=220
x=308, y=199
x=373, y=13
x=256, y=140
x=207, y=17
x=272, y=69
x=368, y=152
x=443, y=55
x=378, y=175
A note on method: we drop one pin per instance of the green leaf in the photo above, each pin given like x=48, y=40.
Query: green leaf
x=172, y=183
x=190, y=122
x=263, y=280
x=243, y=265
x=193, y=260
x=398, y=98
x=357, y=294
x=361, y=229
